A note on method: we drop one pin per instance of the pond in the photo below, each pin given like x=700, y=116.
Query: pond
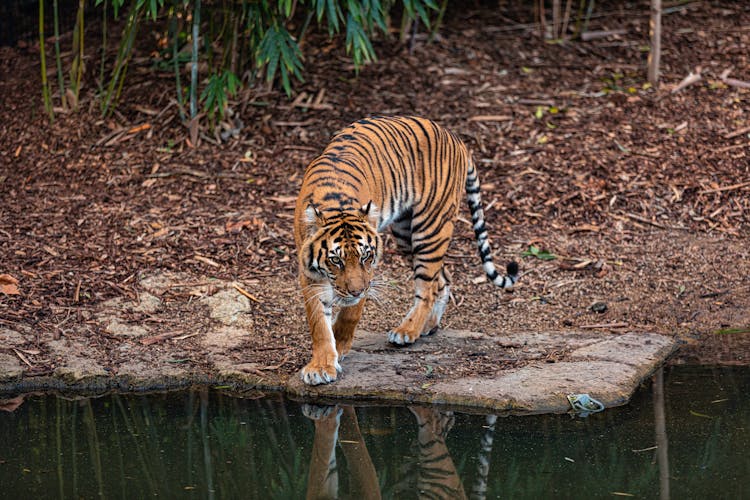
x=685, y=436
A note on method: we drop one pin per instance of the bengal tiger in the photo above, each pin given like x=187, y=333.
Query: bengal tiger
x=403, y=172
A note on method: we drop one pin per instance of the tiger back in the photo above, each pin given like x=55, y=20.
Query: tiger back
x=406, y=173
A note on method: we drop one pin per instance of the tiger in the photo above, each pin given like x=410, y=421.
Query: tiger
x=429, y=470
x=402, y=172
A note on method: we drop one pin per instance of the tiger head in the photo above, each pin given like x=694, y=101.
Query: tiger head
x=343, y=250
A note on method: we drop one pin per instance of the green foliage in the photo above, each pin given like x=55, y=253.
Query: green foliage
x=534, y=251
x=219, y=87
x=153, y=6
x=238, y=41
x=279, y=51
x=419, y=8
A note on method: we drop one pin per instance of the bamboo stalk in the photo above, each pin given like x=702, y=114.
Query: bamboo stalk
x=589, y=11
x=43, y=55
x=81, y=33
x=104, y=48
x=556, y=21
x=566, y=18
x=438, y=21
x=542, y=20
x=121, y=63
x=654, y=56
x=58, y=60
x=76, y=69
x=175, y=60
x=194, y=67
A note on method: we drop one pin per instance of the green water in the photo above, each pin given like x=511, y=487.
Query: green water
x=692, y=441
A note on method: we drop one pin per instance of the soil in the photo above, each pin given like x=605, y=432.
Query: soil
x=642, y=194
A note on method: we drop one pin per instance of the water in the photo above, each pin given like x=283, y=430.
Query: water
x=691, y=441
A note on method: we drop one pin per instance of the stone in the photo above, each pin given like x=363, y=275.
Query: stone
x=10, y=368
x=227, y=306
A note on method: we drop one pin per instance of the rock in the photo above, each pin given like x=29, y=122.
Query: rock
x=599, y=307
x=226, y=306
x=10, y=368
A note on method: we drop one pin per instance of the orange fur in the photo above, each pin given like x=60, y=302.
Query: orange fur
x=404, y=172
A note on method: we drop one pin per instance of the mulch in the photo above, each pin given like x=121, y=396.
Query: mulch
x=578, y=156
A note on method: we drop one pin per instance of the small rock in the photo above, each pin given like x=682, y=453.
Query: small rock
x=599, y=307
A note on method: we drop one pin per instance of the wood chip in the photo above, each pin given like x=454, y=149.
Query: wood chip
x=206, y=260
x=159, y=338
x=490, y=118
x=246, y=293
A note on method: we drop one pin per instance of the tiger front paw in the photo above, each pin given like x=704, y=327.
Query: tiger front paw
x=316, y=373
x=398, y=338
x=319, y=412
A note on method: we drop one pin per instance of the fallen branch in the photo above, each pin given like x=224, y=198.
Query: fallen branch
x=733, y=82
x=690, y=79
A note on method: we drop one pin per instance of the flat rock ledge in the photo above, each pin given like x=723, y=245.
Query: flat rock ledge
x=608, y=367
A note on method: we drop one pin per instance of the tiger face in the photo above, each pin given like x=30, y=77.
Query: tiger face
x=341, y=250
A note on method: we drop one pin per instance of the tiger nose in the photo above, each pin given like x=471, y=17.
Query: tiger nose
x=357, y=292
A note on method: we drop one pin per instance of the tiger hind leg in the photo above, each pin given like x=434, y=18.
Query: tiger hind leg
x=413, y=325
x=401, y=230
x=430, y=295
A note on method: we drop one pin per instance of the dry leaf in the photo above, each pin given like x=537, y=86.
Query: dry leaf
x=11, y=405
x=236, y=227
x=8, y=284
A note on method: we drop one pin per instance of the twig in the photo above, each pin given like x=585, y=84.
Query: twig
x=159, y=338
x=490, y=118
x=183, y=337
x=594, y=35
x=737, y=133
x=23, y=358
x=246, y=293
x=191, y=285
x=725, y=188
x=206, y=260
x=605, y=325
x=276, y=367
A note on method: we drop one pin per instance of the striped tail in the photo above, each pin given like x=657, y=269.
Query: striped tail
x=483, y=245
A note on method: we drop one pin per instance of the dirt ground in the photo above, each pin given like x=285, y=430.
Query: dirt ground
x=643, y=195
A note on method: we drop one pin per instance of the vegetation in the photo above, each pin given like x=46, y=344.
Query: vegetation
x=232, y=42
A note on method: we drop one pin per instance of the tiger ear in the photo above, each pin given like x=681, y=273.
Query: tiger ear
x=314, y=216
x=371, y=212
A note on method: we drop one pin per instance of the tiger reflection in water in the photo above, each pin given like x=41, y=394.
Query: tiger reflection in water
x=436, y=473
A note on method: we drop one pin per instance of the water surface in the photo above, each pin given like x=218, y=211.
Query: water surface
x=690, y=440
